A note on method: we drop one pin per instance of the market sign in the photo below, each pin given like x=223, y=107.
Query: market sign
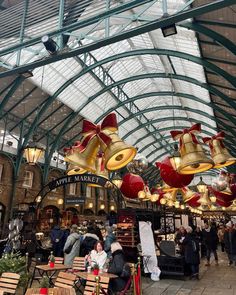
x=74, y=200
x=84, y=178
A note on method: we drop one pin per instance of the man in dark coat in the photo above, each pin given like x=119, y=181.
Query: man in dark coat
x=191, y=252
x=56, y=236
x=230, y=242
x=210, y=239
x=116, y=267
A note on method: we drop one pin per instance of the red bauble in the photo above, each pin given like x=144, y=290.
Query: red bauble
x=131, y=185
x=223, y=203
x=224, y=197
x=171, y=176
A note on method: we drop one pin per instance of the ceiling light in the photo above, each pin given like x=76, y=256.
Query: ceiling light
x=49, y=44
x=169, y=30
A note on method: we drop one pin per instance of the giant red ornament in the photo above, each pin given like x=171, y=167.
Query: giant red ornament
x=171, y=176
x=233, y=184
x=131, y=185
x=222, y=199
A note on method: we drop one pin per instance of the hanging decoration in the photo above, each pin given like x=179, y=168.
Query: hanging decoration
x=146, y=195
x=138, y=165
x=100, y=169
x=170, y=176
x=222, y=183
x=190, y=197
x=193, y=158
x=131, y=185
x=220, y=155
x=102, y=137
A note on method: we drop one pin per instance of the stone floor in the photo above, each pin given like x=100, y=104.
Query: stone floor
x=214, y=280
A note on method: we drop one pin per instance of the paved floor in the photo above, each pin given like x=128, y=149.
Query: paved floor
x=214, y=280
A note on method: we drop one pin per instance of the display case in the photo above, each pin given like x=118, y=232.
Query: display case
x=126, y=234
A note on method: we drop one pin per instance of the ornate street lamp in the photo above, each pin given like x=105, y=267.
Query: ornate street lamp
x=117, y=180
x=202, y=186
x=33, y=152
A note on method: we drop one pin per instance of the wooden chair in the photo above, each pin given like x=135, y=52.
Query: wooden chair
x=9, y=282
x=59, y=260
x=65, y=280
x=78, y=264
x=33, y=272
x=91, y=285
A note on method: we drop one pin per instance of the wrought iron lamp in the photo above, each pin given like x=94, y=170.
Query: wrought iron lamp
x=202, y=186
x=33, y=152
x=117, y=180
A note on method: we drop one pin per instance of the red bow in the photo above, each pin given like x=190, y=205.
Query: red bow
x=90, y=130
x=77, y=146
x=219, y=136
x=176, y=134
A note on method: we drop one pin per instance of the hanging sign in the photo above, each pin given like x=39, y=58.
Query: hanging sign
x=74, y=200
x=84, y=178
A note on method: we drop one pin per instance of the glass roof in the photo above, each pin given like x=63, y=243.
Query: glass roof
x=148, y=80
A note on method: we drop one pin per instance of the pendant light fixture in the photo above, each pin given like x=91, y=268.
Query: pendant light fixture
x=117, y=180
x=202, y=186
x=33, y=151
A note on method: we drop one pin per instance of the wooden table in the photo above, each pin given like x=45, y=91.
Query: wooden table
x=52, y=291
x=45, y=269
x=83, y=275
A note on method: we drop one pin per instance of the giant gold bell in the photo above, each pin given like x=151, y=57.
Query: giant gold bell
x=74, y=169
x=100, y=171
x=87, y=158
x=193, y=158
x=220, y=155
x=117, y=154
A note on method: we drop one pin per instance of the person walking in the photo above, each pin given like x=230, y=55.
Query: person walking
x=221, y=233
x=72, y=245
x=191, y=252
x=89, y=241
x=210, y=239
x=230, y=242
x=56, y=236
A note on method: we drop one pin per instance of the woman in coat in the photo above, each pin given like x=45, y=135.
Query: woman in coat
x=116, y=267
x=210, y=239
x=191, y=252
x=72, y=245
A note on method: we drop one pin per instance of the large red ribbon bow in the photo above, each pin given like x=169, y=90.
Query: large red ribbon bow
x=219, y=136
x=176, y=134
x=90, y=130
x=76, y=147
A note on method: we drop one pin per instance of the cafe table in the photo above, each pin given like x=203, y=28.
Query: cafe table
x=52, y=291
x=83, y=275
x=45, y=269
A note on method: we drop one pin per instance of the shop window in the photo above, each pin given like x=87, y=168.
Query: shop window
x=28, y=179
x=72, y=189
x=88, y=192
x=101, y=193
x=1, y=171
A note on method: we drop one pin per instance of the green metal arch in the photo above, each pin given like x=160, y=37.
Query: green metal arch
x=158, y=75
x=165, y=93
x=192, y=58
x=177, y=107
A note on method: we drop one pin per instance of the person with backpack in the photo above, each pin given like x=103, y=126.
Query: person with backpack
x=72, y=245
x=191, y=252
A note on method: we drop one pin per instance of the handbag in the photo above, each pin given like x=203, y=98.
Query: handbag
x=68, y=249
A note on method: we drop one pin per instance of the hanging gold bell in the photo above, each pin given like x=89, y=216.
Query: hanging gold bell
x=166, y=188
x=117, y=154
x=187, y=194
x=74, y=169
x=220, y=154
x=87, y=158
x=100, y=170
x=193, y=158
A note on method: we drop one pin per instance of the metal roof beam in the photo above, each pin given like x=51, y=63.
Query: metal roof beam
x=162, y=94
x=218, y=23
x=156, y=24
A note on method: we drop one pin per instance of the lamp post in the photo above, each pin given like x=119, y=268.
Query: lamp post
x=202, y=186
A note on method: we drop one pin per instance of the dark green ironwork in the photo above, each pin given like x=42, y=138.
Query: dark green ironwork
x=156, y=24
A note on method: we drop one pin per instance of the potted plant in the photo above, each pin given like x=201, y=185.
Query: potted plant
x=95, y=269
x=51, y=260
x=44, y=285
